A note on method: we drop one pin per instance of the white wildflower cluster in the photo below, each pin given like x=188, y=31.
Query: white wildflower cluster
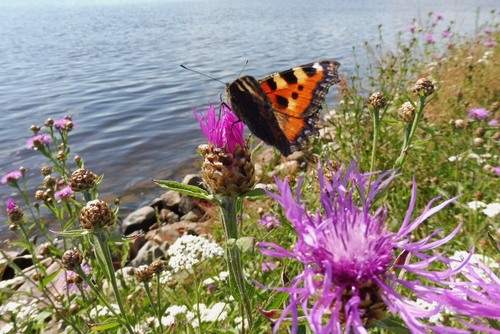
x=222, y=277
x=207, y=314
x=18, y=315
x=190, y=250
x=241, y=324
x=482, y=264
x=491, y=210
x=166, y=277
x=102, y=311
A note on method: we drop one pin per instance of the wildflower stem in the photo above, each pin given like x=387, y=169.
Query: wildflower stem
x=151, y=302
x=229, y=209
x=376, y=128
x=103, y=252
x=410, y=132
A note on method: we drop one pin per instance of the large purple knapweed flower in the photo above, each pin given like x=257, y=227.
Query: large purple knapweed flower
x=478, y=113
x=223, y=131
x=38, y=141
x=11, y=177
x=353, y=265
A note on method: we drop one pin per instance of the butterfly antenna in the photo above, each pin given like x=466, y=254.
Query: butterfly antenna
x=246, y=63
x=205, y=75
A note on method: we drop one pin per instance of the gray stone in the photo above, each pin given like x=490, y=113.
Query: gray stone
x=140, y=219
x=171, y=200
x=149, y=252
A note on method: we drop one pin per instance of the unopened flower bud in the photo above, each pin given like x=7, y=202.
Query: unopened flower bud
x=49, y=122
x=377, y=100
x=461, y=124
x=49, y=181
x=96, y=214
x=143, y=274
x=157, y=266
x=478, y=142
x=406, y=112
x=480, y=132
x=71, y=259
x=46, y=170
x=423, y=87
x=35, y=129
x=82, y=179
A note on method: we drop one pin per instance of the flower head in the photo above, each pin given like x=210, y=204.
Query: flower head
x=446, y=33
x=269, y=222
x=65, y=123
x=14, y=212
x=429, y=38
x=38, y=141
x=227, y=169
x=478, y=113
x=224, y=131
x=490, y=42
x=11, y=177
x=96, y=214
x=189, y=250
x=350, y=278
x=412, y=27
x=64, y=193
x=406, y=113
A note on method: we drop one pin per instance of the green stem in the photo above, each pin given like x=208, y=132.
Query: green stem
x=410, y=132
x=233, y=257
x=376, y=128
x=151, y=302
x=103, y=251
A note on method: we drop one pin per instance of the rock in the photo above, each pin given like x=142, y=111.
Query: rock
x=193, y=180
x=149, y=252
x=191, y=216
x=186, y=204
x=171, y=200
x=168, y=216
x=286, y=168
x=169, y=233
x=140, y=219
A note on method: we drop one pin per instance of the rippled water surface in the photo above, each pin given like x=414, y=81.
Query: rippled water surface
x=114, y=67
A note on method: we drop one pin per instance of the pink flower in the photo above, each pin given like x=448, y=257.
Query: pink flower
x=64, y=193
x=412, y=27
x=478, y=113
x=223, y=131
x=65, y=123
x=38, y=141
x=429, y=38
x=490, y=42
x=11, y=177
x=268, y=266
x=445, y=33
x=269, y=222
x=493, y=122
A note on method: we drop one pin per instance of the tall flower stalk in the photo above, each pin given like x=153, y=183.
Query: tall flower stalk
x=228, y=173
x=354, y=274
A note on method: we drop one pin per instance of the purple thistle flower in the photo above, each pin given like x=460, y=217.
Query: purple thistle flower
x=478, y=113
x=496, y=170
x=224, y=131
x=11, y=205
x=65, y=123
x=488, y=31
x=39, y=140
x=439, y=17
x=269, y=222
x=11, y=177
x=268, y=266
x=493, y=122
x=446, y=33
x=490, y=42
x=429, y=38
x=71, y=279
x=412, y=27
x=351, y=259
x=64, y=193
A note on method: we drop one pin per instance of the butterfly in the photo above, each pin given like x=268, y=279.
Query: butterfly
x=283, y=108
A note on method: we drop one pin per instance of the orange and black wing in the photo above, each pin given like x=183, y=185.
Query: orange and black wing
x=282, y=109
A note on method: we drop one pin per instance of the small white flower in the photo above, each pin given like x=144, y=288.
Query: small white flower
x=454, y=158
x=175, y=310
x=435, y=319
x=166, y=277
x=190, y=250
x=492, y=210
x=475, y=205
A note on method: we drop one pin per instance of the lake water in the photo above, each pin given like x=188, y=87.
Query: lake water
x=114, y=66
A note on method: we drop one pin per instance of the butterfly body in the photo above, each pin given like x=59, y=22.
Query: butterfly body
x=283, y=108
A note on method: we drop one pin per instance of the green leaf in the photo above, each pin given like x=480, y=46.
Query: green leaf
x=105, y=326
x=48, y=279
x=393, y=325
x=185, y=189
x=72, y=233
x=256, y=193
x=246, y=244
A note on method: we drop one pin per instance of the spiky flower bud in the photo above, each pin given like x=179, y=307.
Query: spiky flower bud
x=157, y=266
x=82, y=179
x=143, y=274
x=225, y=173
x=14, y=212
x=423, y=87
x=461, y=124
x=49, y=181
x=35, y=129
x=44, y=249
x=377, y=100
x=480, y=132
x=49, y=122
x=46, y=170
x=478, y=142
x=71, y=259
x=96, y=214
x=406, y=112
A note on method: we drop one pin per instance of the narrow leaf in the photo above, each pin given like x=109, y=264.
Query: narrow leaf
x=193, y=191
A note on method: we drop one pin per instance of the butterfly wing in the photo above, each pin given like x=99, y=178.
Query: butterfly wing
x=283, y=108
